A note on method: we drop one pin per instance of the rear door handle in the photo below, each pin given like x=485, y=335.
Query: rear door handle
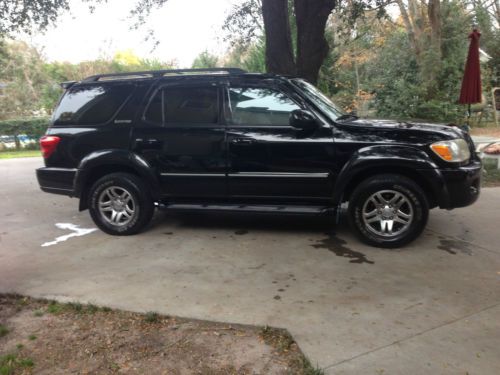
x=242, y=141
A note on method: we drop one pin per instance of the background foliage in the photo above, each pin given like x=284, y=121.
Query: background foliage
x=373, y=66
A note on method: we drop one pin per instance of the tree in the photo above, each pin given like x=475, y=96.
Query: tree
x=205, y=60
x=24, y=15
x=423, y=22
x=295, y=39
x=312, y=47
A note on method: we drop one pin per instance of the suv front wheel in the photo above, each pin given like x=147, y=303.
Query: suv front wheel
x=388, y=210
x=120, y=204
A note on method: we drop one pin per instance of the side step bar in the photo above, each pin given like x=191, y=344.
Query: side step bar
x=278, y=209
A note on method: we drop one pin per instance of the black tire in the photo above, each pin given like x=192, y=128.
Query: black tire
x=377, y=233
x=139, y=208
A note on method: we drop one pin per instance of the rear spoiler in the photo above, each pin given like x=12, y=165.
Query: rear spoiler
x=66, y=85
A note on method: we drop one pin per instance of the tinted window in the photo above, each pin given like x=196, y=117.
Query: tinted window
x=260, y=106
x=191, y=105
x=195, y=105
x=91, y=105
x=154, y=111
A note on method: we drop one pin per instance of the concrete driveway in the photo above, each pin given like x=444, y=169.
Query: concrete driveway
x=430, y=308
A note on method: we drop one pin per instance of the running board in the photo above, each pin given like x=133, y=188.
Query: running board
x=258, y=208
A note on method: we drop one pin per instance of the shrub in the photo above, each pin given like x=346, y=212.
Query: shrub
x=26, y=132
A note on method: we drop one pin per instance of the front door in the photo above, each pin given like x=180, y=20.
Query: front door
x=267, y=158
x=182, y=137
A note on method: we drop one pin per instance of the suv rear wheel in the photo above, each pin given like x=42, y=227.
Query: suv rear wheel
x=120, y=204
x=388, y=210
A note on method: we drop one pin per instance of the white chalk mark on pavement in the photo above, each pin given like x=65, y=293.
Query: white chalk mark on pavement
x=76, y=232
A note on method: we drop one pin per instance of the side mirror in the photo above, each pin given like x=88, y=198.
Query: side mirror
x=303, y=120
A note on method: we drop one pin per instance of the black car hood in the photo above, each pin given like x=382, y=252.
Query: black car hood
x=446, y=131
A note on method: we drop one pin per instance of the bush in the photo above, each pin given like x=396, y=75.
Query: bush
x=26, y=132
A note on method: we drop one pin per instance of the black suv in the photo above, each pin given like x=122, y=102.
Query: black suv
x=224, y=139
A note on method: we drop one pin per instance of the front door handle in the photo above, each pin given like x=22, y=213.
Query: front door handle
x=242, y=141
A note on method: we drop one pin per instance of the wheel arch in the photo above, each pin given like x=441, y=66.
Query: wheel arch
x=406, y=161
x=99, y=164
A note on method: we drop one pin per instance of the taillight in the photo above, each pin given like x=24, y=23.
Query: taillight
x=48, y=145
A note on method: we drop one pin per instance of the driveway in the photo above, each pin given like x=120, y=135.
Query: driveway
x=432, y=307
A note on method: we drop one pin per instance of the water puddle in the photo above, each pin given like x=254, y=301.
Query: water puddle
x=453, y=246
x=339, y=248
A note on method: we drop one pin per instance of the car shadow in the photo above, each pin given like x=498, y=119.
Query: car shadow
x=240, y=222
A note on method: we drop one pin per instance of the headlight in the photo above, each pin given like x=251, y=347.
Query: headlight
x=456, y=150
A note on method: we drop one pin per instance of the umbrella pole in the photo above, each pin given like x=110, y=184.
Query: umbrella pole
x=468, y=114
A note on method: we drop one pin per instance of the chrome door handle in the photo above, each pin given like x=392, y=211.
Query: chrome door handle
x=242, y=141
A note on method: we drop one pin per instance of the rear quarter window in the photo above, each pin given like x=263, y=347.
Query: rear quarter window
x=91, y=104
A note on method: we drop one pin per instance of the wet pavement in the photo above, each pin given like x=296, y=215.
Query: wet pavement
x=431, y=307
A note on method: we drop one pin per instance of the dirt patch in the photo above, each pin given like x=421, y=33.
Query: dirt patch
x=45, y=337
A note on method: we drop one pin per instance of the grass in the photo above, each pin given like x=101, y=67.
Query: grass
x=10, y=363
x=3, y=330
x=19, y=154
x=278, y=338
x=151, y=317
x=309, y=369
x=56, y=308
x=283, y=342
x=32, y=337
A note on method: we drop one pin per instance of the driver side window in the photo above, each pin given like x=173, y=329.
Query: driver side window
x=260, y=106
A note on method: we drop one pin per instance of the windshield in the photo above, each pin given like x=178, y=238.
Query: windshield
x=319, y=99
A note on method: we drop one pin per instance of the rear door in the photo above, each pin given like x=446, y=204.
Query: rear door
x=182, y=137
x=268, y=159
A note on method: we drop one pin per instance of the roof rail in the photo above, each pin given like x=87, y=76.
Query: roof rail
x=162, y=73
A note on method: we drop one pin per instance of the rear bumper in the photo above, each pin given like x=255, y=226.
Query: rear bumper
x=56, y=180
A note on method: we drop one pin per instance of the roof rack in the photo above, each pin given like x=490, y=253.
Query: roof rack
x=162, y=73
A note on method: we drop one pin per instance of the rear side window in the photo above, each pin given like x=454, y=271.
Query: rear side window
x=91, y=104
x=193, y=105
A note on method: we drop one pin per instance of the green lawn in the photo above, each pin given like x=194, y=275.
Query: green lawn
x=19, y=154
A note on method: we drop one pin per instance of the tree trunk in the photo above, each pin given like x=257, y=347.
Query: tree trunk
x=312, y=47
x=410, y=29
x=434, y=14
x=497, y=10
x=279, y=51
x=434, y=59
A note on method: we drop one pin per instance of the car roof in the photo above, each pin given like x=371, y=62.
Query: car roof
x=174, y=73
x=191, y=75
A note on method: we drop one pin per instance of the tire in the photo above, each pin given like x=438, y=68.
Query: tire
x=388, y=211
x=120, y=204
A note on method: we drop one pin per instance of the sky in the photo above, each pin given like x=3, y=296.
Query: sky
x=184, y=28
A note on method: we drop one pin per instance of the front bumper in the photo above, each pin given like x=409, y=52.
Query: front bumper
x=462, y=185
x=56, y=180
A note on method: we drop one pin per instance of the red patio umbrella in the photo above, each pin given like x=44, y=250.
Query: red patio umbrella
x=471, y=83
